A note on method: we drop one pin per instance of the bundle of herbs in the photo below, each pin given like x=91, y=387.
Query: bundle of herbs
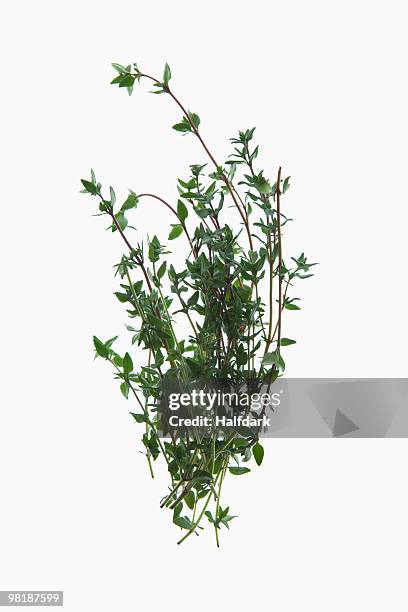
x=232, y=293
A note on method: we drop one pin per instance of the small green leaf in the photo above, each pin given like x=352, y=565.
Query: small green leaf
x=177, y=510
x=182, y=211
x=166, y=74
x=100, y=348
x=121, y=220
x=139, y=418
x=287, y=341
x=124, y=387
x=183, y=126
x=281, y=363
x=127, y=364
x=237, y=471
x=183, y=522
x=122, y=297
x=285, y=185
x=258, y=453
x=263, y=186
x=90, y=187
x=275, y=359
x=127, y=81
x=112, y=196
x=119, y=68
x=190, y=499
x=290, y=306
x=175, y=232
x=161, y=271
x=154, y=249
x=209, y=516
x=195, y=119
x=130, y=202
x=192, y=301
x=271, y=358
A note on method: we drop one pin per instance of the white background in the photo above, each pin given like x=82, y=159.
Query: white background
x=322, y=525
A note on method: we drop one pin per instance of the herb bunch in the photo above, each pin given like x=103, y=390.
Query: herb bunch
x=232, y=292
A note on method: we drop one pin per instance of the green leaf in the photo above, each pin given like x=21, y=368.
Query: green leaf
x=122, y=297
x=183, y=522
x=201, y=476
x=285, y=185
x=195, y=119
x=124, y=387
x=258, y=453
x=112, y=196
x=281, y=363
x=177, y=510
x=237, y=471
x=263, y=186
x=287, y=341
x=127, y=81
x=290, y=306
x=154, y=249
x=166, y=74
x=122, y=221
x=175, y=232
x=275, y=359
x=182, y=211
x=90, y=187
x=100, y=348
x=190, y=499
x=183, y=126
x=209, y=516
x=195, y=367
x=139, y=418
x=119, y=68
x=109, y=342
x=271, y=358
x=127, y=364
x=161, y=271
x=130, y=202
x=203, y=212
x=192, y=301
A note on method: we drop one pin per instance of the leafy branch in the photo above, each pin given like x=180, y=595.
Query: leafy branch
x=225, y=291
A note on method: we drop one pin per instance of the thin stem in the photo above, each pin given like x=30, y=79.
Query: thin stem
x=121, y=232
x=149, y=421
x=170, y=324
x=138, y=260
x=148, y=456
x=278, y=193
x=145, y=412
x=172, y=492
x=270, y=260
x=224, y=469
x=195, y=131
x=200, y=516
x=283, y=305
x=174, y=211
x=148, y=453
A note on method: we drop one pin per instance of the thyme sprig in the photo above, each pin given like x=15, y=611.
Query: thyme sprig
x=234, y=334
